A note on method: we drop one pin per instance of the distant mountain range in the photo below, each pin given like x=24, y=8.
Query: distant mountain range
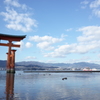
x=64, y=65
x=3, y=63
x=41, y=64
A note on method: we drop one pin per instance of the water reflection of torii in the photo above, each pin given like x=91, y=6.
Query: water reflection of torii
x=9, y=86
x=11, y=53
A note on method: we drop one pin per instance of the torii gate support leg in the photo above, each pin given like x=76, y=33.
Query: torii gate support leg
x=8, y=57
x=13, y=61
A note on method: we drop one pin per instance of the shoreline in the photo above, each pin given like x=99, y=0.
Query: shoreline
x=39, y=71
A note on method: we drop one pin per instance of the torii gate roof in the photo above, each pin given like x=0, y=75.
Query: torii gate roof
x=11, y=37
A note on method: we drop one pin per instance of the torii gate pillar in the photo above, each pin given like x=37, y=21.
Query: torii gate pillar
x=11, y=61
x=11, y=53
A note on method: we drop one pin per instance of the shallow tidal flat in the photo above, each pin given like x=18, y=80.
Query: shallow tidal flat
x=49, y=86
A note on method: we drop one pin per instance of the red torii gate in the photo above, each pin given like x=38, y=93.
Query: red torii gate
x=11, y=53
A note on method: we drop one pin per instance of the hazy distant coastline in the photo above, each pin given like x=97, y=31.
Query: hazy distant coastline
x=33, y=65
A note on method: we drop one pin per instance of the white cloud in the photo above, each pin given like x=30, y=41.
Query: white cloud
x=95, y=6
x=45, y=42
x=63, y=50
x=89, y=40
x=30, y=57
x=93, y=61
x=21, y=43
x=63, y=36
x=45, y=45
x=15, y=3
x=83, y=59
x=28, y=45
x=18, y=21
x=84, y=4
x=90, y=33
x=96, y=12
x=68, y=29
x=50, y=39
x=50, y=61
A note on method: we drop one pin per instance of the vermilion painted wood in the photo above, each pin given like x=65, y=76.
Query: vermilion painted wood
x=11, y=53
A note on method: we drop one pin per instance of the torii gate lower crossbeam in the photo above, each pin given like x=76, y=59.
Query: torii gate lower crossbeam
x=11, y=53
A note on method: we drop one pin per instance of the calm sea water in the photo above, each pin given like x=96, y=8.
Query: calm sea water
x=49, y=86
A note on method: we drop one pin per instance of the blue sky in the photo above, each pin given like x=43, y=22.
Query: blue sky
x=58, y=31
